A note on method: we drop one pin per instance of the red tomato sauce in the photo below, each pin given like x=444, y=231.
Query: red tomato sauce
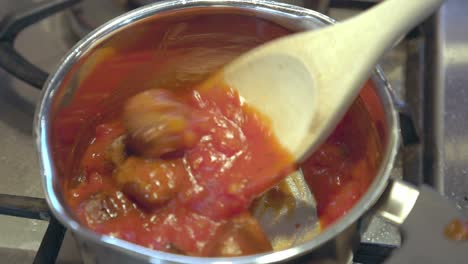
x=235, y=160
x=213, y=182
x=341, y=170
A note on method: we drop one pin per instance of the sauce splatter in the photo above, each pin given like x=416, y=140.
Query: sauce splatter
x=457, y=230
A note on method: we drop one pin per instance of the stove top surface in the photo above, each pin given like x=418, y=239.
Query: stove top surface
x=441, y=162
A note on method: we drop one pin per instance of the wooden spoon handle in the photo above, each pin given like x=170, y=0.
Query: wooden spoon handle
x=387, y=22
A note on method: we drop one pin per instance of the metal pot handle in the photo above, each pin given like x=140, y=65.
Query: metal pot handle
x=422, y=215
x=11, y=26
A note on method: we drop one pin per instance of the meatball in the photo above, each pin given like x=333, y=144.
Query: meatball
x=150, y=183
x=115, y=152
x=157, y=123
x=239, y=236
x=101, y=207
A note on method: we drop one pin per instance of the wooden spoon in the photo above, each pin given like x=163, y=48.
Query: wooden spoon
x=305, y=82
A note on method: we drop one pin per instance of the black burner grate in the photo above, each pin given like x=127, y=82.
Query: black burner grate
x=22, y=206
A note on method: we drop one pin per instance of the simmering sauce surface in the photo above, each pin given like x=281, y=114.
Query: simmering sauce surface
x=180, y=200
x=341, y=170
x=193, y=197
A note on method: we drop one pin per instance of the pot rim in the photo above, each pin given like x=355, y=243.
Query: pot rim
x=54, y=82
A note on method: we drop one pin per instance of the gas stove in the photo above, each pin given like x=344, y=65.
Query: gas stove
x=425, y=70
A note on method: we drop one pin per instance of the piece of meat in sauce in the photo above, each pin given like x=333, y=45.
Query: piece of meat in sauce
x=150, y=183
x=102, y=206
x=241, y=235
x=116, y=151
x=157, y=124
